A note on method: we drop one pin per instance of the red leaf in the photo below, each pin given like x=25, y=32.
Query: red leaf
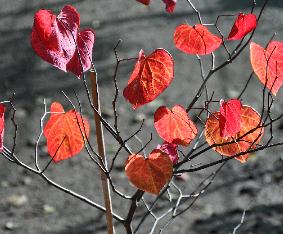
x=2, y=125
x=196, y=39
x=54, y=40
x=250, y=120
x=243, y=25
x=171, y=150
x=174, y=126
x=150, y=174
x=268, y=64
x=230, y=117
x=151, y=76
x=85, y=41
x=145, y=2
x=170, y=5
x=63, y=132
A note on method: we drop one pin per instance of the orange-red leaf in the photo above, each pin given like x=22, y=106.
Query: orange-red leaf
x=243, y=25
x=196, y=39
x=250, y=119
x=151, y=76
x=65, y=132
x=230, y=117
x=268, y=64
x=174, y=126
x=150, y=174
x=2, y=125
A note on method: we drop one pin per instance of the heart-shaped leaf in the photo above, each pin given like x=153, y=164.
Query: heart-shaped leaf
x=196, y=39
x=268, y=64
x=2, y=125
x=243, y=25
x=151, y=76
x=171, y=150
x=174, y=126
x=250, y=121
x=56, y=40
x=65, y=133
x=230, y=117
x=150, y=174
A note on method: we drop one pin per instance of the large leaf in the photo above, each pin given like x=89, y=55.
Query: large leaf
x=57, y=40
x=250, y=120
x=268, y=64
x=150, y=174
x=65, y=133
x=151, y=76
x=243, y=25
x=2, y=125
x=196, y=39
x=230, y=117
x=174, y=126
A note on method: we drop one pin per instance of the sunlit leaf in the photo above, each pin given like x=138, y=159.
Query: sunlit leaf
x=65, y=133
x=250, y=122
x=196, y=39
x=151, y=76
x=171, y=150
x=150, y=174
x=174, y=126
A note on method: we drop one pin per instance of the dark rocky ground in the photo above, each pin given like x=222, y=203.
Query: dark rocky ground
x=30, y=206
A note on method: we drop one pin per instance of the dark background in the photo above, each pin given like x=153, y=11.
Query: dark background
x=28, y=205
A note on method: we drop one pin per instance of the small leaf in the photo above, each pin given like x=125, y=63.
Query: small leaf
x=230, y=117
x=243, y=25
x=63, y=132
x=174, y=126
x=170, y=5
x=171, y=150
x=151, y=76
x=268, y=64
x=145, y=2
x=250, y=120
x=2, y=125
x=150, y=174
x=196, y=39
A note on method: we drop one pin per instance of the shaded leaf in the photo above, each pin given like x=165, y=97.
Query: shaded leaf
x=230, y=117
x=268, y=64
x=63, y=132
x=145, y=2
x=196, y=39
x=151, y=76
x=170, y=5
x=150, y=174
x=250, y=120
x=171, y=150
x=174, y=126
x=243, y=25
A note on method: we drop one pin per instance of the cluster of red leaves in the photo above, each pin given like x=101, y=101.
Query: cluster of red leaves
x=58, y=40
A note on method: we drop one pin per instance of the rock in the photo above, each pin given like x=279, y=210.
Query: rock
x=48, y=209
x=10, y=226
x=17, y=200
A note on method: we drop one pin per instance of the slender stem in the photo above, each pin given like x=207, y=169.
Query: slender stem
x=101, y=151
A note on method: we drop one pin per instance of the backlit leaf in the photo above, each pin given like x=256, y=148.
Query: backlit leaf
x=250, y=120
x=56, y=39
x=65, y=133
x=230, y=117
x=196, y=39
x=151, y=76
x=243, y=25
x=150, y=174
x=174, y=126
x=268, y=64
x=2, y=125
